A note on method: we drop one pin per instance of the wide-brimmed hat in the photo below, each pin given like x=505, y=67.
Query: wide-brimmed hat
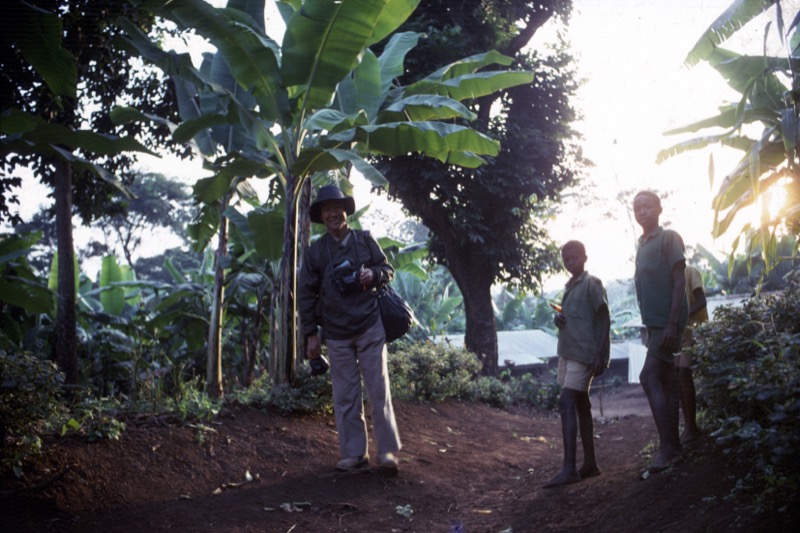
x=330, y=193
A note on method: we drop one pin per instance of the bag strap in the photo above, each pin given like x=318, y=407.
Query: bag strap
x=355, y=239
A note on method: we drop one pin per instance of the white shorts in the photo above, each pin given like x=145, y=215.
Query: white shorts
x=574, y=375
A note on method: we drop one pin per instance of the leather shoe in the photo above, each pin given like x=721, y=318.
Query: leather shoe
x=388, y=460
x=353, y=463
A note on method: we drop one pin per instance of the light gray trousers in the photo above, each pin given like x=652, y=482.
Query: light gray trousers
x=363, y=355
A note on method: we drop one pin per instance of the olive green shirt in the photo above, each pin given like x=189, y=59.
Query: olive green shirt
x=655, y=257
x=581, y=337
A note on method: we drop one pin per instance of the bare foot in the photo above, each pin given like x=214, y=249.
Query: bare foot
x=588, y=471
x=689, y=436
x=565, y=477
x=663, y=460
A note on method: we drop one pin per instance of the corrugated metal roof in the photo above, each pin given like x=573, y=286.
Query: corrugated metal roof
x=525, y=347
x=533, y=346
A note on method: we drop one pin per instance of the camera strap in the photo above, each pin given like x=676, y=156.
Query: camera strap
x=328, y=249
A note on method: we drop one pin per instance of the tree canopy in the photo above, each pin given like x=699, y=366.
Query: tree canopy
x=62, y=71
x=488, y=224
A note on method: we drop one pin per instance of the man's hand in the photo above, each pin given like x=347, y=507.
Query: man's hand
x=313, y=347
x=560, y=320
x=669, y=337
x=598, y=366
x=365, y=276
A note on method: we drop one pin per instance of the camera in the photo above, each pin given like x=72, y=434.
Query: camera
x=318, y=366
x=346, y=278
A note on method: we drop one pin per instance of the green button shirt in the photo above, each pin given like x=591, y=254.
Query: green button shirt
x=655, y=258
x=581, y=337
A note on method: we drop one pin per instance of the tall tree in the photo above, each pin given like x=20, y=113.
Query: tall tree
x=156, y=204
x=487, y=224
x=61, y=73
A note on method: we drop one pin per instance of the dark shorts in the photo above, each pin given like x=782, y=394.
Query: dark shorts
x=654, y=348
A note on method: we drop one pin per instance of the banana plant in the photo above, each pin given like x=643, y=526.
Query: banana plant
x=769, y=162
x=324, y=103
x=23, y=296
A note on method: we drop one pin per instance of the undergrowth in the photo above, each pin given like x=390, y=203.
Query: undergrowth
x=748, y=374
x=421, y=371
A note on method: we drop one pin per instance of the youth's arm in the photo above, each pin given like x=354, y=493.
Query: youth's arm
x=670, y=337
x=601, y=357
x=699, y=301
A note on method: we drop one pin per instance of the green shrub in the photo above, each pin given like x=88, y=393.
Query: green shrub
x=432, y=372
x=310, y=394
x=425, y=371
x=491, y=391
x=94, y=419
x=529, y=390
x=748, y=374
x=29, y=402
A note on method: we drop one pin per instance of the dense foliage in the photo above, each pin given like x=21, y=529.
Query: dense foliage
x=63, y=70
x=29, y=399
x=104, y=76
x=487, y=223
x=763, y=125
x=748, y=371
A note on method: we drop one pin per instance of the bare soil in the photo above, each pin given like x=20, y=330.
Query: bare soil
x=464, y=468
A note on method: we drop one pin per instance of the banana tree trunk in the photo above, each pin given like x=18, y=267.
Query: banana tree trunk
x=66, y=333
x=214, y=359
x=283, y=345
x=286, y=335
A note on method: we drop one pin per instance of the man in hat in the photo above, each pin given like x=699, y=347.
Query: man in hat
x=339, y=271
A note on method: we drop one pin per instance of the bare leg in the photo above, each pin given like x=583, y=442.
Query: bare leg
x=569, y=431
x=688, y=405
x=586, y=426
x=660, y=385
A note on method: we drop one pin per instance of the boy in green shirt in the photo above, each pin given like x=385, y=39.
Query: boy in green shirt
x=660, y=290
x=583, y=352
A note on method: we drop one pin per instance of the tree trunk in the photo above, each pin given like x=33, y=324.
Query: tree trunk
x=214, y=359
x=474, y=279
x=66, y=333
x=286, y=336
x=303, y=240
x=283, y=345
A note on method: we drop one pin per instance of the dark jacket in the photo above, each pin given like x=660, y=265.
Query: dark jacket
x=342, y=314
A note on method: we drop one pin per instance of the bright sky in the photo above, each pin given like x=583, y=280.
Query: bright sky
x=630, y=53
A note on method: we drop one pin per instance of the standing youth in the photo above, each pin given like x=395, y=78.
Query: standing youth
x=698, y=313
x=660, y=291
x=583, y=352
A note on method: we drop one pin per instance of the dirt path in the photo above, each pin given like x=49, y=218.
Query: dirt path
x=464, y=468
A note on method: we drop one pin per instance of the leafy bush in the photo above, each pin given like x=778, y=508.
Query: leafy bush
x=93, y=418
x=310, y=393
x=29, y=389
x=748, y=372
x=529, y=390
x=491, y=391
x=434, y=372
x=431, y=372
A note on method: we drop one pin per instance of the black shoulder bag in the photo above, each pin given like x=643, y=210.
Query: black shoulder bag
x=396, y=314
